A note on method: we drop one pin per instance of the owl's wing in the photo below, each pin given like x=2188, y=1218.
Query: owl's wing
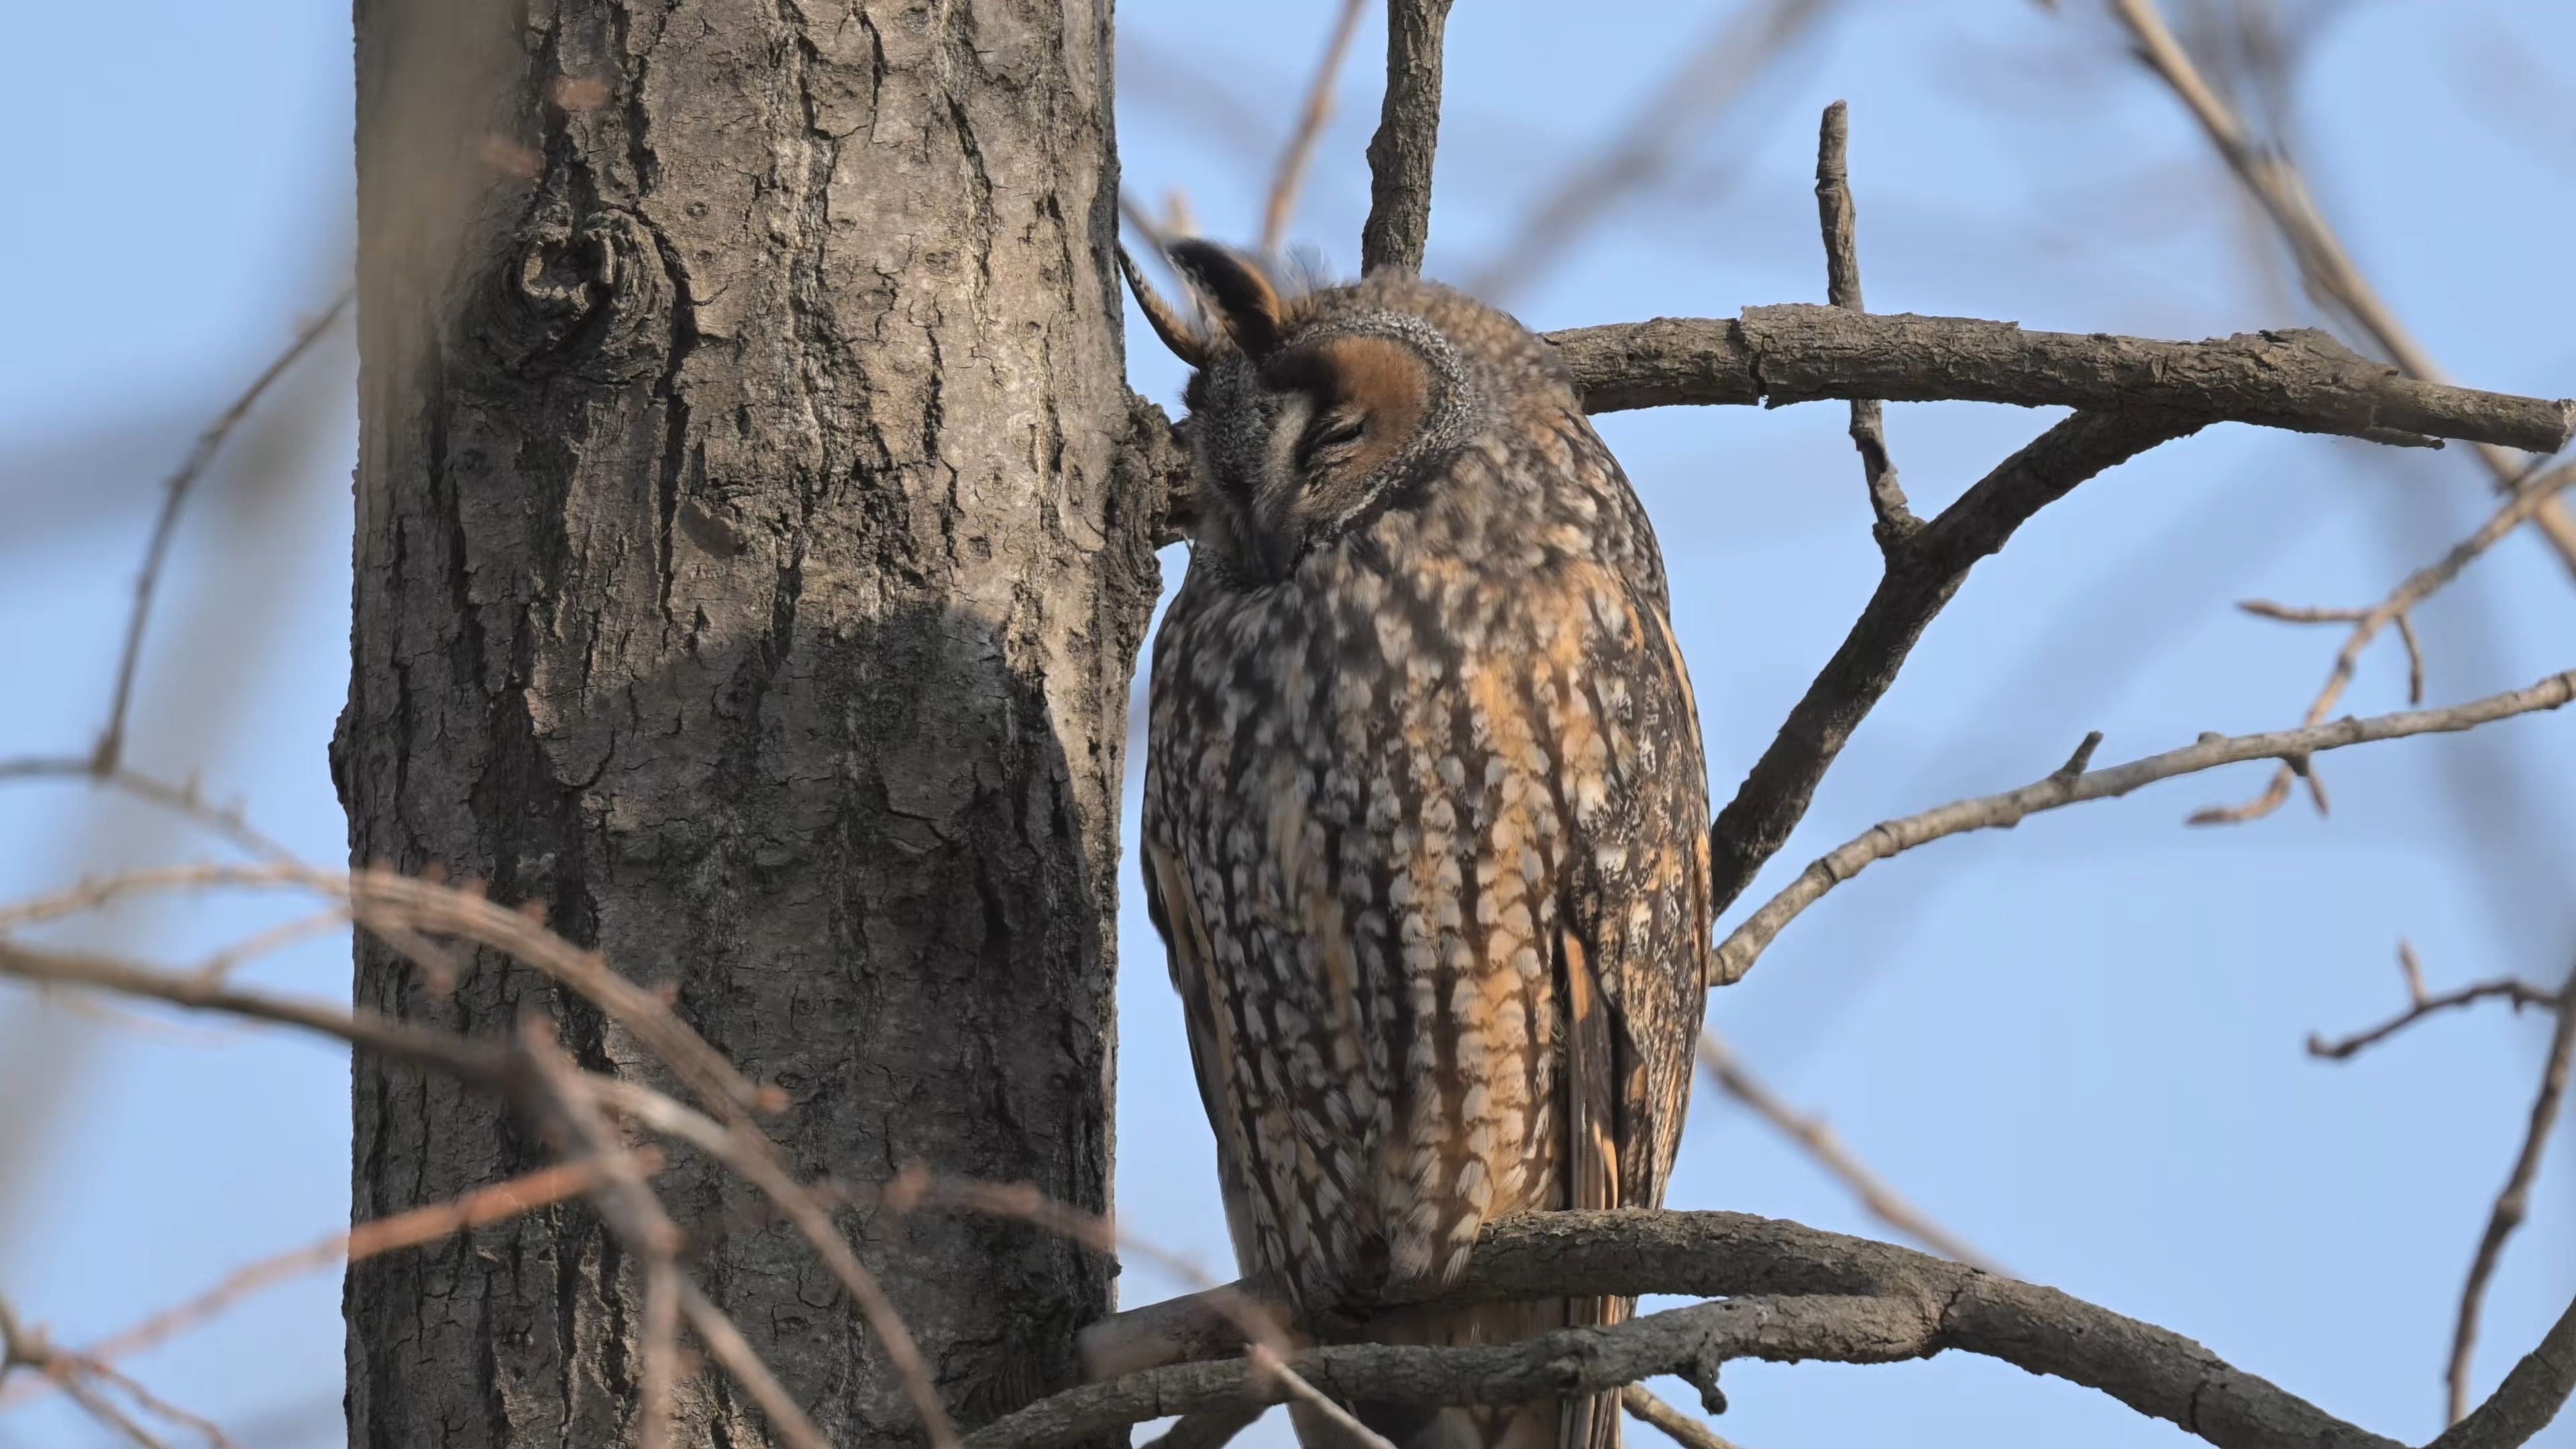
x=1209, y=1019
x=1635, y=917
x=1633, y=927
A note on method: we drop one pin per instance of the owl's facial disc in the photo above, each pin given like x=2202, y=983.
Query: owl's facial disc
x=1309, y=418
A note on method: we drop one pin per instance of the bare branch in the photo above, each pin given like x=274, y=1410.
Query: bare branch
x=2528, y=497
x=1884, y=1203
x=2514, y=1202
x=399, y=908
x=756, y=1159
x=183, y=800
x=1300, y=150
x=567, y=1103
x=737, y=1357
x=26, y=1347
x=461, y=1057
x=2530, y=1396
x=2068, y=786
x=2519, y=993
x=1892, y=519
x=2323, y=263
x=1133, y=212
x=497, y=1203
x=1677, y=1426
x=1408, y=132
x=1708, y=82
x=1919, y=580
x=1794, y=1293
x=161, y=1408
x=2300, y=379
x=111, y=741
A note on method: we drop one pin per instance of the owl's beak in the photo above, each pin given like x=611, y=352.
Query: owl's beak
x=1273, y=553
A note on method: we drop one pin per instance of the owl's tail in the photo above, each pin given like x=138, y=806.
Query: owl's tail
x=1590, y=1421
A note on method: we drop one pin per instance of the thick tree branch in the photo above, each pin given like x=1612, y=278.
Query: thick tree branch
x=2530, y=1396
x=1920, y=578
x=1794, y=1293
x=1408, y=131
x=2074, y=783
x=2300, y=379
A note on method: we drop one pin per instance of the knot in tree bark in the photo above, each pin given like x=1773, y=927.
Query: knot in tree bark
x=585, y=296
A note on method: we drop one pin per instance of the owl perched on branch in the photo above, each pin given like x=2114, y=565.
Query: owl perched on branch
x=1426, y=823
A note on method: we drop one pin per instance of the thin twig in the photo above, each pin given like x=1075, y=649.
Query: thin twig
x=2328, y=269
x=26, y=1347
x=1892, y=520
x=394, y=906
x=484, y=1206
x=274, y=939
x=182, y=799
x=2527, y=498
x=1889, y=517
x=1884, y=1202
x=461, y=1057
x=1256, y=1323
x=174, y=495
x=2419, y=1006
x=735, y=1355
x=1300, y=150
x=568, y=1102
x=159, y=1407
x=2514, y=1202
x=756, y=1159
x=1709, y=81
x=1133, y=212
x=1681, y=1428
x=2074, y=783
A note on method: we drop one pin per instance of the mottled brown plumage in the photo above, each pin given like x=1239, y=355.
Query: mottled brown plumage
x=1425, y=816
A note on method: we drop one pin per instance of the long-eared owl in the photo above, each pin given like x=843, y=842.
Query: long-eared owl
x=1425, y=824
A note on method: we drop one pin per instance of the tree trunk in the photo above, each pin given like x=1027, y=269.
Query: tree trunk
x=748, y=574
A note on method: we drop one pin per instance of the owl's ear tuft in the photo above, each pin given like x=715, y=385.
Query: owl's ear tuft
x=1162, y=316
x=1246, y=305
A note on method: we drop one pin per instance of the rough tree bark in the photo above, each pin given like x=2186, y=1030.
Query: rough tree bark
x=742, y=577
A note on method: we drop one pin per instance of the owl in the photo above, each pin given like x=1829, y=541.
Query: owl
x=1425, y=821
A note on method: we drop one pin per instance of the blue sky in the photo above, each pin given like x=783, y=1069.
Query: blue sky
x=2077, y=1044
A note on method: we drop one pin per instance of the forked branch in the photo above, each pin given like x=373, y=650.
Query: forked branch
x=2075, y=782
x=1793, y=1293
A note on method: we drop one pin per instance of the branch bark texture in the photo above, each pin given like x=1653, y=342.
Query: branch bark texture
x=1793, y=1293
x=2075, y=783
x=2300, y=379
x=1922, y=573
x=1408, y=132
x=747, y=578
